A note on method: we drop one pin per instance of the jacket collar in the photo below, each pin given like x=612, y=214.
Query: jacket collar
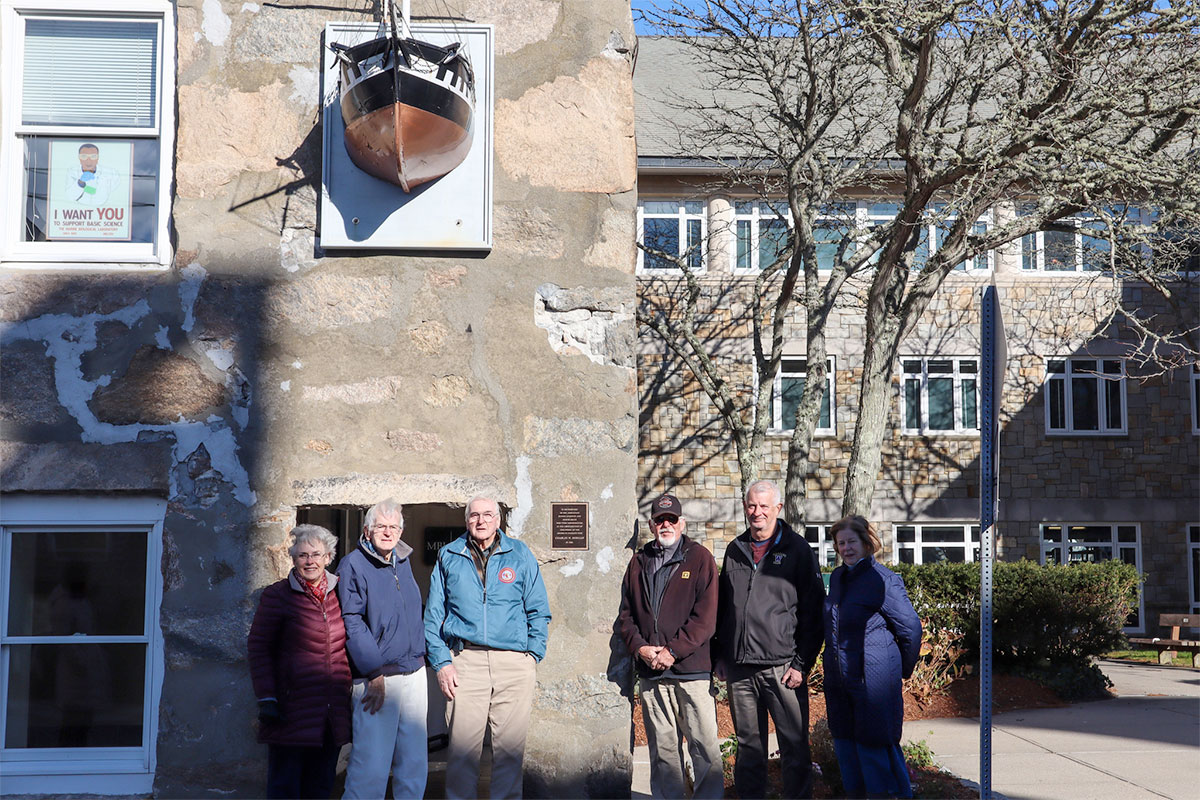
x=782, y=531
x=460, y=546
x=401, y=552
x=685, y=544
x=295, y=584
x=861, y=565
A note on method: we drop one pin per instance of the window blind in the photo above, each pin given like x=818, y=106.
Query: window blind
x=90, y=73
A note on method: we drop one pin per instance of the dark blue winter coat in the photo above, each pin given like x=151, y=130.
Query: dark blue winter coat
x=381, y=605
x=872, y=642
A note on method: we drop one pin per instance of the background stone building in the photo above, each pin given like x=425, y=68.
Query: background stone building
x=175, y=403
x=1097, y=461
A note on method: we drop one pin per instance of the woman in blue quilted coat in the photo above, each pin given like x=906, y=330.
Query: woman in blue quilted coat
x=872, y=641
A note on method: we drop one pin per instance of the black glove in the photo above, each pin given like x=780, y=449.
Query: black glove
x=268, y=711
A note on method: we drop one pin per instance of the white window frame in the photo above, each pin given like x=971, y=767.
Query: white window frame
x=1193, y=534
x=984, y=262
x=779, y=425
x=1033, y=245
x=682, y=216
x=969, y=543
x=14, y=252
x=958, y=376
x=759, y=212
x=91, y=770
x=1115, y=546
x=824, y=547
x=1195, y=384
x=1068, y=378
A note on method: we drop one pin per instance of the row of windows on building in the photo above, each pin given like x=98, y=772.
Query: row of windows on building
x=680, y=228
x=940, y=395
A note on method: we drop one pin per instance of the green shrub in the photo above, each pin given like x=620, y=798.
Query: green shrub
x=1044, y=616
x=918, y=754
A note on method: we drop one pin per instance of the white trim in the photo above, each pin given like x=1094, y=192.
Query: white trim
x=957, y=377
x=683, y=216
x=778, y=427
x=20, y=255
x=824, y=547
x=115, y=770
x=1114, y=544
x=1068, y=378
x=1082, y=223
x=969, y=544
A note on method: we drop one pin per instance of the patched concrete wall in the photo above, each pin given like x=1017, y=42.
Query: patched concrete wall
x=260, y=373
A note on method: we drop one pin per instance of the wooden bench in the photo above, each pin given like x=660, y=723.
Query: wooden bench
x=1168, y=647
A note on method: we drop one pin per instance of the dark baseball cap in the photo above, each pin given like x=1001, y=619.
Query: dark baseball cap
x=666, y=504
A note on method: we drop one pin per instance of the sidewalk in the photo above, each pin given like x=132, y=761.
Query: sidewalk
x=1143, y=744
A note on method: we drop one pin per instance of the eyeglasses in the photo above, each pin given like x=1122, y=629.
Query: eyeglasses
x=378, y=528
x=670, y=519
x=310, y=556
x=486, y=516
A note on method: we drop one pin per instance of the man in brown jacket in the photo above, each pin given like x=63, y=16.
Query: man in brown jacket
x=668, y=617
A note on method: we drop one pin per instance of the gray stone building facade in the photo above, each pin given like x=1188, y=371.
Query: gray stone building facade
x=1124, y=484
x=177, y=396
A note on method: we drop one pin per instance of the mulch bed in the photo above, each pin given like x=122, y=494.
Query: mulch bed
x=961, y=699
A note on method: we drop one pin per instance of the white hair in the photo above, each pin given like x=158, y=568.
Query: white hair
x=303, y=534
x=467, y=510
x=388, y=508
x=764, y=486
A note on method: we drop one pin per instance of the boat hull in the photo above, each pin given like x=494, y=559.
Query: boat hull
x=410, y=140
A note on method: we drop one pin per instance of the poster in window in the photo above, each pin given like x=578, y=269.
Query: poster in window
x=90, y=194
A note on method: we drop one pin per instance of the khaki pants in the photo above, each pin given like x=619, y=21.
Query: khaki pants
x=672, y=711
x=495, y=693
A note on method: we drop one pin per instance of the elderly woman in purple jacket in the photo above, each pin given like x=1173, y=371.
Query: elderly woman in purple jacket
x=872, y=642
x=297, y=654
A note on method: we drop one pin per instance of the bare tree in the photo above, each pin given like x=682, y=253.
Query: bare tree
x=1052, y=116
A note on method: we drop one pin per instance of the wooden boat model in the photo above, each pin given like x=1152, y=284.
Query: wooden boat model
x=408, y=106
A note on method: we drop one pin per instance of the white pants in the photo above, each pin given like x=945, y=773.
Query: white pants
x=392, y=739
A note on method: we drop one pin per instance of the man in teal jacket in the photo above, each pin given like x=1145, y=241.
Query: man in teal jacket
x=486, y=625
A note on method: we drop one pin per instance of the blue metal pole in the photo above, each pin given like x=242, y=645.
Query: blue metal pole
x=991, y=337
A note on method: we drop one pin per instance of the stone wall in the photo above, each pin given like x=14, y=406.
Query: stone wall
x=261, y=374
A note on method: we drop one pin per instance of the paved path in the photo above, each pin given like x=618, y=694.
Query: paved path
x=1143, y=744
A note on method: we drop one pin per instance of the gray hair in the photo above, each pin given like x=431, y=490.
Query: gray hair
x=467, y=509
x=303, y=534
x=388, y=508
x=764, y=486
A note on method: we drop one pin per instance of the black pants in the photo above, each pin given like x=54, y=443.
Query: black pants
x=306, y=772
x=755, y=691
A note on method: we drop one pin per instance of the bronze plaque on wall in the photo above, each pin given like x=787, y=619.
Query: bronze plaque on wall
x=569, y=526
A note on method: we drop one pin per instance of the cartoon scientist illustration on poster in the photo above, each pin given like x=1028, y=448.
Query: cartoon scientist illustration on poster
x=90, y=190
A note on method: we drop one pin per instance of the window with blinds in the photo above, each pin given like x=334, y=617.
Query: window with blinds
x=90, y=73
x=87, y=153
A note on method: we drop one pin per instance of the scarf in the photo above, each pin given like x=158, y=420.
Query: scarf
x=318, y=591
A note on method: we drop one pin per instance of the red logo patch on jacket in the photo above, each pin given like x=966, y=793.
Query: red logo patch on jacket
x=507, y=575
